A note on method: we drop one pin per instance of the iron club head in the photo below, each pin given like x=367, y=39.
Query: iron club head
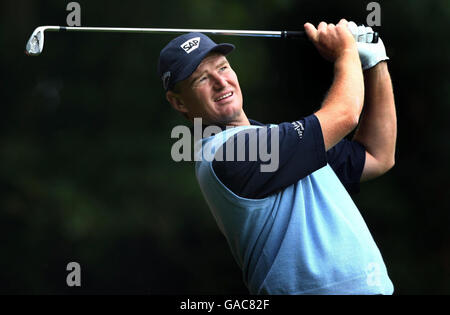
x=35, y=44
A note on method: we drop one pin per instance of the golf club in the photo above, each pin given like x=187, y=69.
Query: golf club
x=35, y=44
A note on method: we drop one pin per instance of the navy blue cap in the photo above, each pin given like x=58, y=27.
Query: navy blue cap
x=182, y=55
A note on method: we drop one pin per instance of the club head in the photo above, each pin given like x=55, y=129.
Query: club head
x=35, y=44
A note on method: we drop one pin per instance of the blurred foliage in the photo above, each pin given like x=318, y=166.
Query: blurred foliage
x=85, y=168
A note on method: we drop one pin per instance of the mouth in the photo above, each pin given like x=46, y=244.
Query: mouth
x=224, y=96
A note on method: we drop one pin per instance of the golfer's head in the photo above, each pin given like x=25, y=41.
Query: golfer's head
x=199, y=80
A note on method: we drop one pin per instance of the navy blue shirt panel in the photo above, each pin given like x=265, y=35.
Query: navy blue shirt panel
x=347, y=159
x=301, y=152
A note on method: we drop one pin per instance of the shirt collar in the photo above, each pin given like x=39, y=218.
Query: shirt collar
x=223, y=127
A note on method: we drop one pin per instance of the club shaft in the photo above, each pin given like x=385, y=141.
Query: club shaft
x=35, y=44
x=252, y=33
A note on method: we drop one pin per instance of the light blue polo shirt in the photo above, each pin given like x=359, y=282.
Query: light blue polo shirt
x=308, y=238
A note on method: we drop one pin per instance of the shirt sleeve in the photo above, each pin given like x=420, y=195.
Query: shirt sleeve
x=301, y=151
x=347, y=159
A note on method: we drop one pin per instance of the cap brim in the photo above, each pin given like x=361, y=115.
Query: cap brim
x=223, y=48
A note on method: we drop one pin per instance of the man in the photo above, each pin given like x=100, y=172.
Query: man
x=294, y=230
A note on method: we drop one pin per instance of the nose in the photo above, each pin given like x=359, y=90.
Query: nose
x=219, y=81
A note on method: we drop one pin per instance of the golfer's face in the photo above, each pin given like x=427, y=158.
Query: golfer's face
x=212, y=92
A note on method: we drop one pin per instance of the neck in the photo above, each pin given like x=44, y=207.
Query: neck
x=242, y=120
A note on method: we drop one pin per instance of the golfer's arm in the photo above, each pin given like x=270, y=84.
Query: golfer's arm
x=378, y=125
x=342, y=106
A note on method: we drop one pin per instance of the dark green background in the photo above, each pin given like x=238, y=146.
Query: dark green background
x=86, y=173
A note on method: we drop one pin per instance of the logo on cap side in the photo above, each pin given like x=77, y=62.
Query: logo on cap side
x=166, y=78
x=191, y=44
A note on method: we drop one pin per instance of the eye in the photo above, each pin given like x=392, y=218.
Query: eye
x=223, y=68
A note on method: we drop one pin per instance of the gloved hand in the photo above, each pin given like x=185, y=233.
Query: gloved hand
x=369, y=54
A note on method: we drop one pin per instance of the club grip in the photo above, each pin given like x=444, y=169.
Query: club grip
x=293, y=34
x=375, y=38
x=302, y=35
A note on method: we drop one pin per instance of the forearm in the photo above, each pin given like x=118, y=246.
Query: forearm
x=347, y=91
x=377, y=130
x=342, y=106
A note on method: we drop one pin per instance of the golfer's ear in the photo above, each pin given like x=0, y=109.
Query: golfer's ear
x=175, y=100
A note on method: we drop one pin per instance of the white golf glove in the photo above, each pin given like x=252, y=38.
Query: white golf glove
x=369, y=54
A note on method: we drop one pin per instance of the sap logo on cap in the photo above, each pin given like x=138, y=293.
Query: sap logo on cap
x=191, y=44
